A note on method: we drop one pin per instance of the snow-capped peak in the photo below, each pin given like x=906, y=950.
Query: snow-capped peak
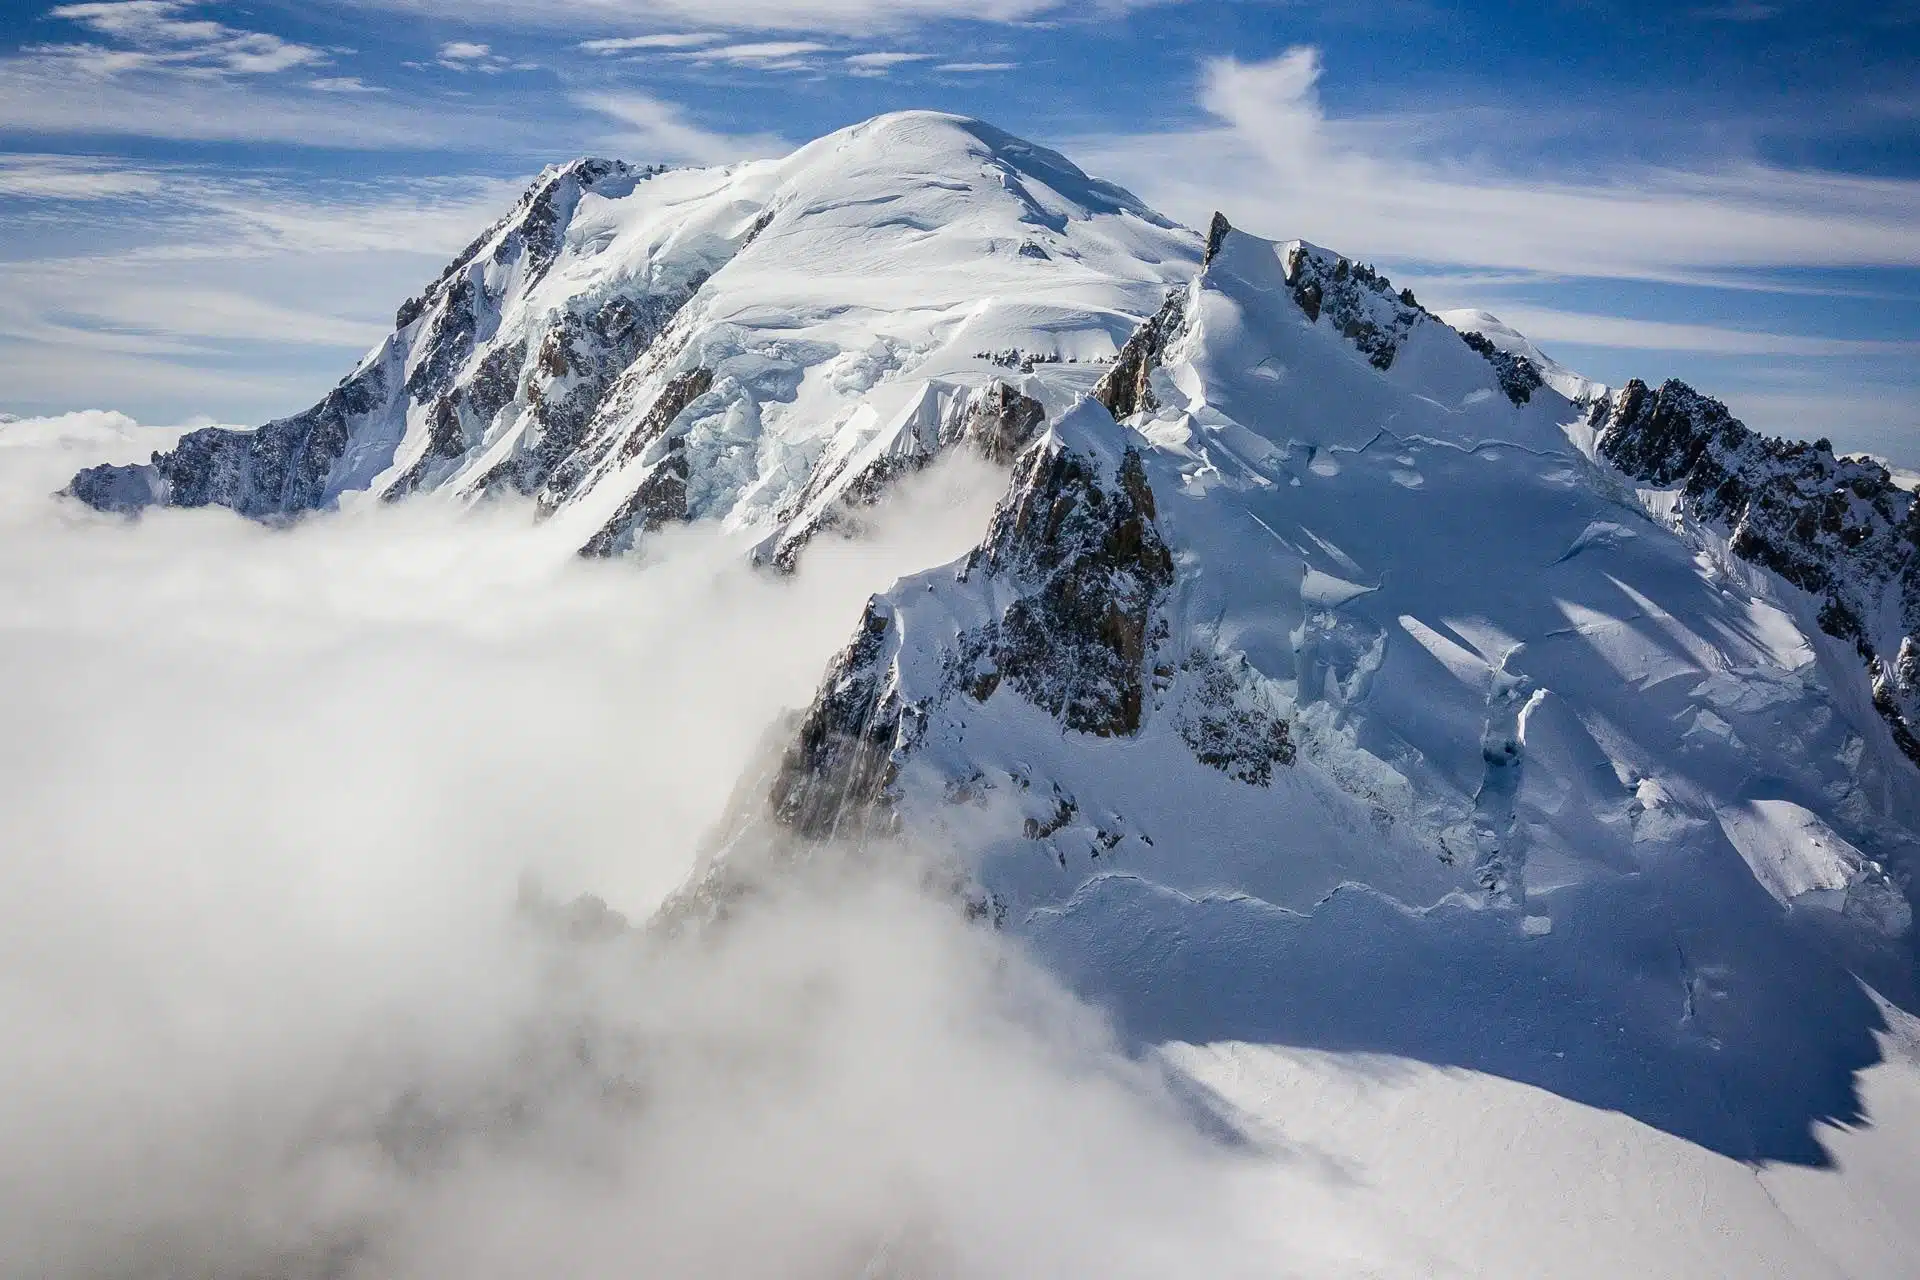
x=1574, y=386
x=633, y=345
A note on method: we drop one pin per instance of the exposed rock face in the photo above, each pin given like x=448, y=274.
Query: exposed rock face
x=460, y=417
x=1075, y=555
x=835, y=776
x=660, y=500
x=1001, y=423
x=283, y=467
x=1126, y=388
x=661, y=497
x=1355, y=298
x=1231, y=724
x=1217, y=232
x=1839, y=529
x=1518, y=378
x=580, y=358
x=1093, y=566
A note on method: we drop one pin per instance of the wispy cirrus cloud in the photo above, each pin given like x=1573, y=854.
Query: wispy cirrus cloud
x=151, y=35
x=156, y=71
x=58, y=177
x=1624, y=333
x=766, y=55
x=657, y=40
x=846, y=17
x=882, y=60
x=655, y=129
x=41, y=96
x=1274, y=158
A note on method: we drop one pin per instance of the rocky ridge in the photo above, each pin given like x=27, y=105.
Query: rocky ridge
x=1837, y=528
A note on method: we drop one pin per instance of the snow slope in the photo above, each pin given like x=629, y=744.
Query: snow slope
x=1344, y=705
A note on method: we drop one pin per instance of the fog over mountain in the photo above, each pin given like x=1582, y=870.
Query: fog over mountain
x=895, y=712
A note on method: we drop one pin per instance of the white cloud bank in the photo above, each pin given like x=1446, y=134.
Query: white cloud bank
x=270, y=799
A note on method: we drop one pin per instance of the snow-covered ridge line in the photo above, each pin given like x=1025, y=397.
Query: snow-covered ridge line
x=633, y=346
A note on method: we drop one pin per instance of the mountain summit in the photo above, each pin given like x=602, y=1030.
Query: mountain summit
x=1332, y=673
x=632, y=346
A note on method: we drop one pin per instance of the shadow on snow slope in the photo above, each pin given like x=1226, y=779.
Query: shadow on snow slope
x=1612, y=1008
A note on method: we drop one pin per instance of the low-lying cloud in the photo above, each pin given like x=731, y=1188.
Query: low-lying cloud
x=292, y=820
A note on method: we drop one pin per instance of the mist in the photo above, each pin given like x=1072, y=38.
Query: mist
x=292, y=821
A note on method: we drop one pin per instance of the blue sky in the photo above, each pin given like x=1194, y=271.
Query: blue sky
x=211, y=208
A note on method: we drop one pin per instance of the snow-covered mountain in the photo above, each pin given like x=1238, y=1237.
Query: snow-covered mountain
x=1338, y=574
x=759, y=344
x=1332, y=674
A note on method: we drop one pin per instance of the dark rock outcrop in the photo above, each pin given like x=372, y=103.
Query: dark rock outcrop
x=460, y=418
x=1356, y=299
x=1092, y=566
x=835, y=776
x=1837, y=528
x=1001, y=422
x=1126, y=388
x=1074, y=549
x=659, y=500
x=1518, y=378
x=580, y=358
x=1217, y=231
x=280, y=469
x=1229, y=725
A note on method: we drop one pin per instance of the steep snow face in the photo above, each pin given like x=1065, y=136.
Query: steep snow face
x=1338, y=662
x=753, y=344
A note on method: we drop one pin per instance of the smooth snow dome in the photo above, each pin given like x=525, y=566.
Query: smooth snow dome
x=1569, y=935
